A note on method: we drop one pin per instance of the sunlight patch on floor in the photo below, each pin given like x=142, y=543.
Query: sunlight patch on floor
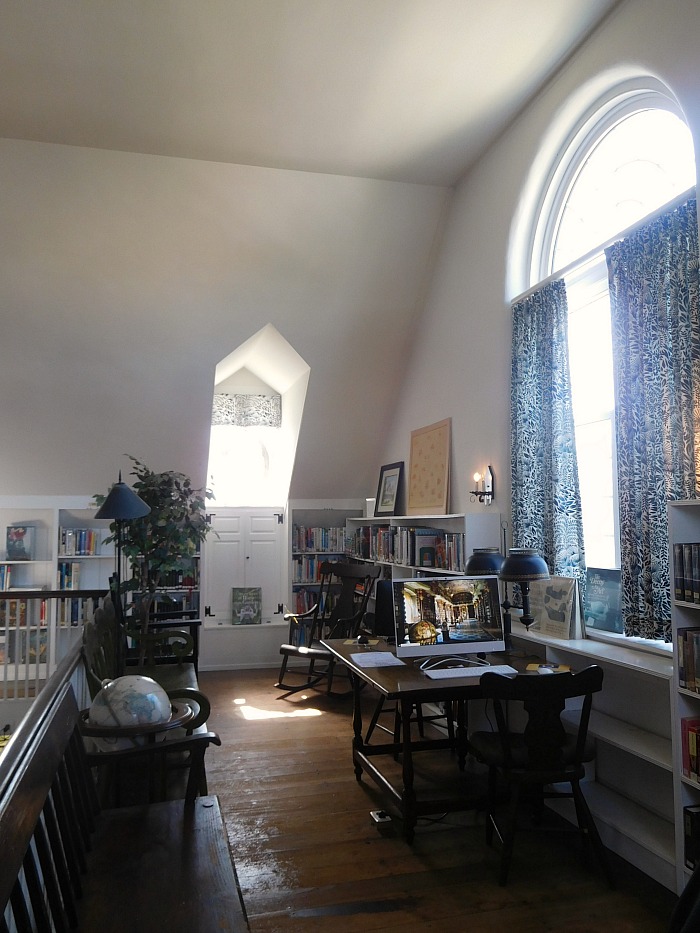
x=255, y=713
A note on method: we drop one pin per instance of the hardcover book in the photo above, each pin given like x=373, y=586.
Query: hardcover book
x=247, y=605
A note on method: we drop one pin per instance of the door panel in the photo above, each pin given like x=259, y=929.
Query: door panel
x=245, y=548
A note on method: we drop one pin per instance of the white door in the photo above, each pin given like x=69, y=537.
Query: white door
x=245, y=548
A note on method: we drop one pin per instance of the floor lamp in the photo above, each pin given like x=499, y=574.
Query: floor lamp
x=121, y=505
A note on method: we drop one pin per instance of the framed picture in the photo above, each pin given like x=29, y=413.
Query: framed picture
x=247, y=605
x=429, y=469
x=389, y=488
x=19, y=542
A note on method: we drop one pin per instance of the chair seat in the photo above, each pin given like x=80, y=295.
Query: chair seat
x=488, y=746
x=311, y=651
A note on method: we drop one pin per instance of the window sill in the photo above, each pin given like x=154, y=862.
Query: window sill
x=614, y=650
x=636, y=644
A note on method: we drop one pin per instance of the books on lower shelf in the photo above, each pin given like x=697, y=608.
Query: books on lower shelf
x=68, y=575
x=688, y=653
x=691, y=834
x=690, y=730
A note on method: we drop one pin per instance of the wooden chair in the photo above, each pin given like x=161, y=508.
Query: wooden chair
x=343, y=592
x=543, y=754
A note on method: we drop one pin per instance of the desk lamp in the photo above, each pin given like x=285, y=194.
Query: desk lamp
x=521, y=566
x=487, y=561
x=121, y=505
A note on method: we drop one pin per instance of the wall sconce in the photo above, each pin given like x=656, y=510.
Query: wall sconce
x=483, y=487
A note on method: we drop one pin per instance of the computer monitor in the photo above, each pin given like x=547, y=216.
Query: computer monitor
x=450, y=615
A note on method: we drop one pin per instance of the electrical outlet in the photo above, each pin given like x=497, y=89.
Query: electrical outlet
x=380, y=816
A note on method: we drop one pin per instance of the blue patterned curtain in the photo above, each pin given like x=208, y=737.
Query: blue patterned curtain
x=546, y=503
x=654, y=301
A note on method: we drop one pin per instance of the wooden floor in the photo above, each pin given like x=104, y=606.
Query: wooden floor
x=309, y=857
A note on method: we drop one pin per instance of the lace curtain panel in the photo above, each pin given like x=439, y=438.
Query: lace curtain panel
x=654, y=297
x=246, y=411
x=546, y=506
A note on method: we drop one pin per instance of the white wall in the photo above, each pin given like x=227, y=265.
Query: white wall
x=125, y=279
x=460, y=365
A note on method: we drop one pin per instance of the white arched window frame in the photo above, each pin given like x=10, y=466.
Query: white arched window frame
x=571, y=157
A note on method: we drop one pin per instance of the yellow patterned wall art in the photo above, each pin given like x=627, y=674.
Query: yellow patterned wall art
x=429, y=469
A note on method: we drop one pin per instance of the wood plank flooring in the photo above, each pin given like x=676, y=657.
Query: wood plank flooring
x=309, y=857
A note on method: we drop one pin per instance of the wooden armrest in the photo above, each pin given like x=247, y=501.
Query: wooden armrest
x=198, y=701
x=300, y=615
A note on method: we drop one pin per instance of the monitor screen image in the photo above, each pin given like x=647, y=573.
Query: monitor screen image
x=453, y=615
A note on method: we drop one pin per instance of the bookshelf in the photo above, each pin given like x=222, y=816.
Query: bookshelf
x=83, y=561
x=684, y=529
x=34, y=616
x=425, y=543
x=317, y=532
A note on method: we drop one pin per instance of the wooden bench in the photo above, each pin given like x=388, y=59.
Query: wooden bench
x=109, y=650
x=166, y=653
x=68, y=864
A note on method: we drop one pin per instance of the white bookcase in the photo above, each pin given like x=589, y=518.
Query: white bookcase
x=630, y=786
x=684, y=528
x=31, y=626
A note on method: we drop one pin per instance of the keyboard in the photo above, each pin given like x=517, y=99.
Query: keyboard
x=472, y=671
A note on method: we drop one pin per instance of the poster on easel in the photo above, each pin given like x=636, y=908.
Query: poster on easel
x=246, y=605
x=553, y=604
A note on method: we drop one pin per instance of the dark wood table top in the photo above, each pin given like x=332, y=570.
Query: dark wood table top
x=407, y=680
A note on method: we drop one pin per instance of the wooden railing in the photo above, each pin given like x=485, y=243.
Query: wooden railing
x=38, y=628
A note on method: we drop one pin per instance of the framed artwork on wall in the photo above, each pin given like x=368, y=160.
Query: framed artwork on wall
x=429, y=469
x=389, y=489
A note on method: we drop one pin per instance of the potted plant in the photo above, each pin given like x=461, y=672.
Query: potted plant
x=164, y=540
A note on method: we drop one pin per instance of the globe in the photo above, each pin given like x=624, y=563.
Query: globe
x=132, y=700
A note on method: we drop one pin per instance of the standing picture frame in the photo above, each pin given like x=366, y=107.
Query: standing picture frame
x=388, y=489
x=429, y=469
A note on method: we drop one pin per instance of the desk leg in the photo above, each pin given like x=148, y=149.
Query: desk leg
x=358, y=744
x=408, y=794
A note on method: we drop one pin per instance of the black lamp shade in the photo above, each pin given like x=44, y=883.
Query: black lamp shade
x=484, y=561
x=122, y=504
x=523, y=564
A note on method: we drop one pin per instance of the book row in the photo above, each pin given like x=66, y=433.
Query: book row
x=306, y=569
x=688, y=647
x=410, y=547
x=24, y=647
x=330, y=540
x=80, y=542
x=686, y=572
x=68, y=575
x=303, y=601
x=691, y=834
x=690, y=746
x=5, y=576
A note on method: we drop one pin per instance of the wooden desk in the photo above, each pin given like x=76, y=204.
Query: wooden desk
x=407, y=685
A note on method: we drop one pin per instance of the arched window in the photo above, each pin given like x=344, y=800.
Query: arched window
x=626, y=158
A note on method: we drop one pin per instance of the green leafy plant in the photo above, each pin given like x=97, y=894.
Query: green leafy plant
x=164, y=540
